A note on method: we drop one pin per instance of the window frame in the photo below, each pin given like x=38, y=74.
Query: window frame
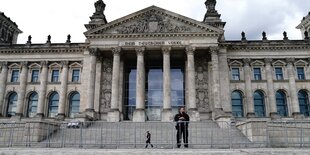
x=301, y=76
x=73, y=76
x=276, y=73
x=257, y=76
x=32, y=75
x=53, y=75
x=233, y=75
x=13, y=75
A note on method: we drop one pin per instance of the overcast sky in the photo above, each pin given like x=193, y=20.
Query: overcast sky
x=59, y=18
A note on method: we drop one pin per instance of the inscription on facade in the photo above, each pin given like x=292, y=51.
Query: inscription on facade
x=152, y=43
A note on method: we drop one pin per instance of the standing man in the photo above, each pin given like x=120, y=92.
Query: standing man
x=182, y=120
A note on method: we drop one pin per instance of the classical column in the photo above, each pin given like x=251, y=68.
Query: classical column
x=139, y=113
x=215, y=80
x=3, y=80
x=22, y=89
x=114, y=114
x=43, y=87
x=167, y=111
x=292, y=85
x=91, y=81
x=121, y=89
x=63, y=90
x=224, y=81
x=248, y=88
x=191, y=86
x=270, y=89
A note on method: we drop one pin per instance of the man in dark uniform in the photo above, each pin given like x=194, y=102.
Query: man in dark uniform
x=148, y=139
x=182, y=120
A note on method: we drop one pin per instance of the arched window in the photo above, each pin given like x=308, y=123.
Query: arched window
x=12, y=105
x=74, y=104
x=281, y=103
x=237, y=104
x=53, y=104
x=32, y=104
x=303, y=102
x=259, y=104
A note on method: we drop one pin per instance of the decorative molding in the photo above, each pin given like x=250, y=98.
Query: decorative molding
x=166, y=50
x=93, y=51
x=44, y=63
x=190, y=50
x=246, y=61
x=64, y=63
x=152, y=35
x=290, y=61
x=39, y=50
x=116, y=51
x=268, y=61
x=140, y=51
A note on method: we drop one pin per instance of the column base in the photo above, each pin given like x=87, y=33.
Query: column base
x=218, y=113
x=250, y=115
x=194, y=115
x=90, y=114
x=298, y=115
x=139, y=115
x=17, y=117
x=60, y=117
x=166, y=115
x=274, y=116
x=114, y=116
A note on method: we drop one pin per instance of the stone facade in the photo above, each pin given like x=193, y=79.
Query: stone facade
x=223, y=79
x=8, y=30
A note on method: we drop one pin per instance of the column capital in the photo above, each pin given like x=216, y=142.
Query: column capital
x=24, y=64
x=166, y=50
x=214, y=50
x=64, y=63
x=93, y=51
x=44, y=63
x=247, y=61
x=268, y=60
x=290, y=61
x=140, y=51
x=116, y=50
x=3, y=63
x=190, y=50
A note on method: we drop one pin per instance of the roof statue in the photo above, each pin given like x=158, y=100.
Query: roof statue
x=210, y=5
x=98, y=15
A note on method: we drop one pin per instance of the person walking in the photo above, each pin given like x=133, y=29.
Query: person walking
x=182, y=120
x=148, y=139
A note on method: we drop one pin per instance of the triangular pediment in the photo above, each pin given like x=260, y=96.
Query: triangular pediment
x=154, y=20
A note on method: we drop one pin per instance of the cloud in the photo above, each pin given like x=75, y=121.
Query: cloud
x=59, y=18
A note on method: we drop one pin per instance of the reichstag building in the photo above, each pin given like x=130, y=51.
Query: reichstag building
x=144, y=66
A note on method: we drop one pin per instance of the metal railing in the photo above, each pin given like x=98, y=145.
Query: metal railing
x=163, y=135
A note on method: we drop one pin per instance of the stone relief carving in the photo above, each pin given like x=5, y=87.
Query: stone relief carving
x=202, y=97
x=106, y=85
x=153, y=23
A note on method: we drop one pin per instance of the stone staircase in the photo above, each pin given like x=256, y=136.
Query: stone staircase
x=129, y=135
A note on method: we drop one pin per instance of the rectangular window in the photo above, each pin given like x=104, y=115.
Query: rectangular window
x=279, y=73
x=76, y=75
x=35, y=76
x=300, y=73
x=15, y=76
x=55, y=75
x=257, y=74
x=235, y=74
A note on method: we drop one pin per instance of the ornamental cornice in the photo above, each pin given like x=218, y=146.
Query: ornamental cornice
x=150, y=35
x=40, y=50
x=270, y=47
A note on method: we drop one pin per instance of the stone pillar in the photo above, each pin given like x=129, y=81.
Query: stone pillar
x=293, y=91
x=63, y=90
x=191, y=86
x=43, y=87
x=3, y=80
x=22, y=89
x=121, y=90
x=139, y=113
x=224, y=77
x=167, y=111
x=91, y=83
x=249, y=102
x=114, y=114
x=218, y=110
x=270, y=90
